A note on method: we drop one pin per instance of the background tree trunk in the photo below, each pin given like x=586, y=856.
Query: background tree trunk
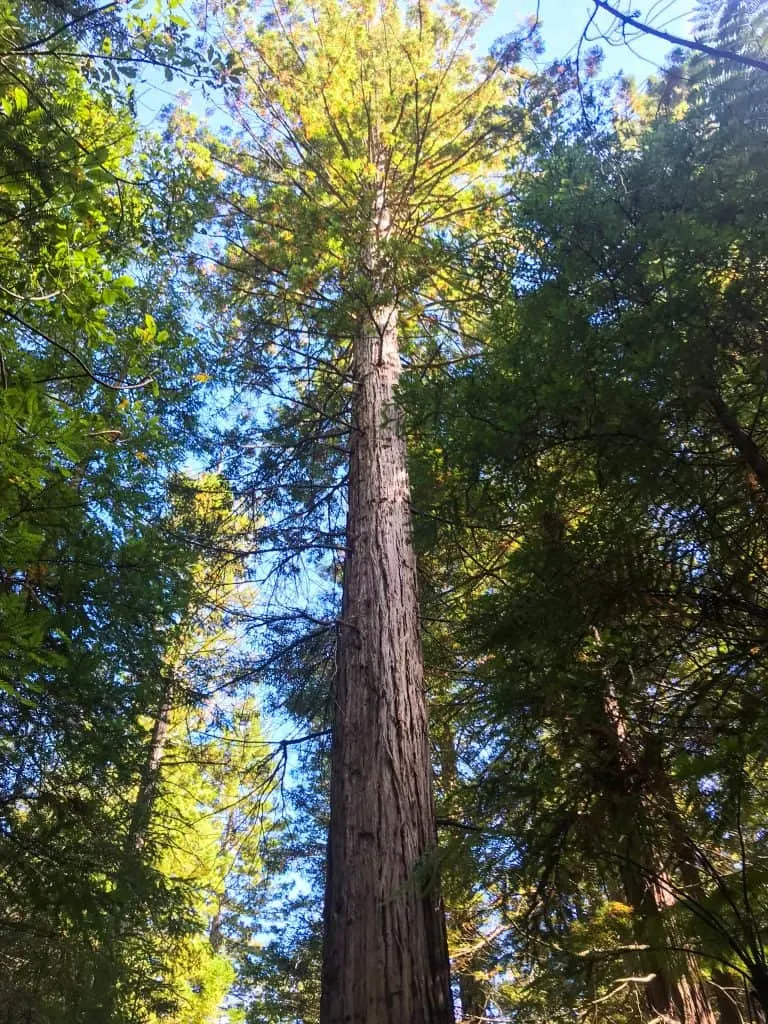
x=647, y=884
x=150, y=776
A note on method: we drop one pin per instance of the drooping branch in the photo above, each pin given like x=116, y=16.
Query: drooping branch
x=112, y=385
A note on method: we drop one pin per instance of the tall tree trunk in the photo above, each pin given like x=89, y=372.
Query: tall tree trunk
x=385, y=958
x=752, y=455
x=472, y=995
x=726, y=989
x=104, y=995
x=677, y=998
x=469, y=955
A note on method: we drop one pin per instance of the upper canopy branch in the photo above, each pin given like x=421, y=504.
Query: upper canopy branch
x=690, y=44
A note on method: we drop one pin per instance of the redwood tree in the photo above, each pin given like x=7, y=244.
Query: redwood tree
x=366, y=134
x=598, y=551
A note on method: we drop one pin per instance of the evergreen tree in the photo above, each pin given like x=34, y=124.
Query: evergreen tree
x=366, y=139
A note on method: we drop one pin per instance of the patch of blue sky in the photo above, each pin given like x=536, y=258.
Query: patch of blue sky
x=565, y=27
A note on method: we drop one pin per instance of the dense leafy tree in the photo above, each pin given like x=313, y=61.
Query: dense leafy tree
x=602, y=458
x=100, y=567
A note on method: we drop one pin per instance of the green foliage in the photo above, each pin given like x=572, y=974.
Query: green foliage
x=343, y=106
x=101, y=569
x=586, y=390
x=593, y=502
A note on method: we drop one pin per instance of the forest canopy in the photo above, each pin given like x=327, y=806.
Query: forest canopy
x=383, y=517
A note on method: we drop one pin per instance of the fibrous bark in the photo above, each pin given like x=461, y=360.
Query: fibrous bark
x=385, y=956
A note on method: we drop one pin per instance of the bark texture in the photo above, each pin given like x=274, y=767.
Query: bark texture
x=385, y=956
x=673, y=997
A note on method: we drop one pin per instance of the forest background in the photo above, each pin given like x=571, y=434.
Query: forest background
x=584, y=372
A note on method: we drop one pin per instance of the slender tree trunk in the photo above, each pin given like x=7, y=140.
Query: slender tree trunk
x=753, y=457
x=469, y=958
x=102, y=1006
x=385, y=958
x=473, y=997
x=150, y=776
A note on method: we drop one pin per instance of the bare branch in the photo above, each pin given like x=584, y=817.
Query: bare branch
x=689, y=44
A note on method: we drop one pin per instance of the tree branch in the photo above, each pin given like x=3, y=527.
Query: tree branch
x=73, y=355
x=63, y=28
x=690, y=44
